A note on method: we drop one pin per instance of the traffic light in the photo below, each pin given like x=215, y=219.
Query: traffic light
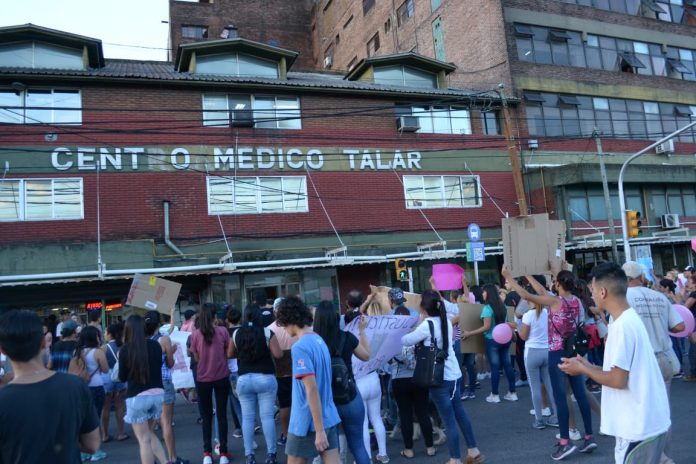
x=401, y=270
x=633, y=223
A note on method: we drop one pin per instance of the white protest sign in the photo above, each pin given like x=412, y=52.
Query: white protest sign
x=384, y=335
x=182, y=377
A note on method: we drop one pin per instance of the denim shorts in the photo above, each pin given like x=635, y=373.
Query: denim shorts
x=304, y=447
x=141, y=408
x=111, y=387
x=169, y=392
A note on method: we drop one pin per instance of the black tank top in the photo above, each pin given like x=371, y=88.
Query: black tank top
x=263, y=364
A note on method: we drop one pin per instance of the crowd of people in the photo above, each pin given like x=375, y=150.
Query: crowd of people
x=571, y=339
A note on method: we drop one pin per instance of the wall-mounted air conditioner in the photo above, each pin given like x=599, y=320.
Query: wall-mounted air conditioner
x=665, y=148
x=670, y=221
x=407, y=123
x=242, y=118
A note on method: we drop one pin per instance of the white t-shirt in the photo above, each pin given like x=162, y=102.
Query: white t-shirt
x=657, y=314
x=641, y=410
x=538, y=330
x=422, y=333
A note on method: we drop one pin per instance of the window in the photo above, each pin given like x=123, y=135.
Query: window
x=387, y=26
x=404, y=12
x=441, y=119
x=41, y=199
x=490, y=122
x=253, y=195
x=373, y=44
x=663, y=10
x=194, y=32
x=40, y=55
x=439, y=40
x=236, y=64
x=268, y=111
x=673, y=200
x=40, y=106
x=587, y=203
x=348, y=21
x=404, y=76
x=352, y=63
x=435, y=4
x=367, y=6
x=442, y=192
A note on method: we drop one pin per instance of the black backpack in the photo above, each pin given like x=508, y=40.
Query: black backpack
x=342, y=382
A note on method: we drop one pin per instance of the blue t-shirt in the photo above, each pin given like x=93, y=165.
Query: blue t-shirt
x=488, y=312
x=310, y=356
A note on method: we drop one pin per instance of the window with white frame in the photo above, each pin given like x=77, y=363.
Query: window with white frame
x=262, y=111
x=442, y=192
x=40, y=106
x=41, y=199
x=253, y=195
x=443, y=119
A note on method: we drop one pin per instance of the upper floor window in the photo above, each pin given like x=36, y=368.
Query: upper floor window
x=253, y=195
x=442, y=192
x=41, y=199
x=404, y=76
x=587, y=203
x=404, y=12
x=367, y=5
x=673, y=200
x=675, y=11
x=272, y=112
x=194, y=32
x=373, y=44
x=439, y=119
x=40, y=55
x=37, y=106
x=490, y=123
x=236, y=64
x=435, y=4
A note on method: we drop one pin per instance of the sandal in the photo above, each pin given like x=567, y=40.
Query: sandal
x=403, y=453
x=478, y=459
x=124, y=437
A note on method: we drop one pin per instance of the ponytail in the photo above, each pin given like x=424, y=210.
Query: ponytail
x=433, y=305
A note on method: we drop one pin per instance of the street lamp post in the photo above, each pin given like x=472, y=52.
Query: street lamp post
x=622, y=201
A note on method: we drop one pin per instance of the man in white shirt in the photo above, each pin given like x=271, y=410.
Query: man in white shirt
x=635, y=407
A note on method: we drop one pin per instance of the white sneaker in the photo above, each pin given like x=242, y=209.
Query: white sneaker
x=545, y=412
x=574, y=435
x=511, y=396
x=207, y=460
x=493, y=398
x=481, y=376
x=224, y=460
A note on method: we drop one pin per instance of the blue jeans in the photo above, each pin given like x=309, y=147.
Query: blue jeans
x=235, y=406
x=470, y=364
x=352, y=417
x=577, y=384
x=495, y=352
x=260, y=389
x=447, y=399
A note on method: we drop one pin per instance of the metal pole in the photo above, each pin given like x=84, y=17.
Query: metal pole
x=607, y=200
x=476, y=276
x=622, y=201
x=410, y=279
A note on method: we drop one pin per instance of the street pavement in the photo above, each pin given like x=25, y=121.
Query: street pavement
x=504, y=433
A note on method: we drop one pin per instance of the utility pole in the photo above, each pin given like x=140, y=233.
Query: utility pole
x=607, y=199
x=515, y=164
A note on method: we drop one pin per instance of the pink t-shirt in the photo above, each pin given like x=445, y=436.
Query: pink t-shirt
x=212, y=359
x=563, y=322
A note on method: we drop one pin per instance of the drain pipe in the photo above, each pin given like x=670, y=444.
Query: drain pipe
x=167, y=239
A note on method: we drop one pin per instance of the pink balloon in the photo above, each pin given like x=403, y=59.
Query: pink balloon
x=688, y=321
x=502, y=333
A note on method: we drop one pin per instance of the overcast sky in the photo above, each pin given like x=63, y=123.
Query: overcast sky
x=137, y=23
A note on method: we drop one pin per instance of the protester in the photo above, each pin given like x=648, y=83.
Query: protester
x=94, y=320
x=234, y=317
x=260, y=299
x=140, y=364
x=115, y=391
x=494, y=312
x=189, y=318
x=255, y=346
x=352, y=413
x=64, y=316
x=565, y=313
x=314, y=420
x=63, y=350
x=635, y=406
x=27, y=433
x=447, y=396
x=209, y=347
x=91, y=359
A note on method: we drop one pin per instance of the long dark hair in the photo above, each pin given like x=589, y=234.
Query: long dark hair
x=583, y=292
x=116, y=331
x=326, y=324
x=493, y=300
x=89, y=338
x=478, y=293
x=251, y=337
x=206, y=322
x=432, y=304
x=566, y=280
x=152, y=323
x=137, y=359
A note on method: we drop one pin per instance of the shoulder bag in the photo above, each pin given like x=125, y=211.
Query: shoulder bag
x=430, y=362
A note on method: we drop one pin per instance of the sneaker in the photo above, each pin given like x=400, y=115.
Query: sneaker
x=465, y=396
x=382, y=459
x=545, y=412
x=511, y=396
x=480, y=376
x=588, y=445
x=539, y=424
x=270, y=459
x=472, y=395
x=521, y=383
x=251, y=459
x=574, y=435
x=237, y=433
x=679, y=375
x=282, y=440
x=563, y=451
x=551, y=421
x=225, y=458
x=493, y=398
x=98, y=456
x=84, y=457
x=207, y=458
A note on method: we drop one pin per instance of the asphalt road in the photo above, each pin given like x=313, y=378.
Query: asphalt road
x=504, y=432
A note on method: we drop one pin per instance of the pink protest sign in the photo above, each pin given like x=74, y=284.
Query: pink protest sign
x=693, y=244
x=448, y=276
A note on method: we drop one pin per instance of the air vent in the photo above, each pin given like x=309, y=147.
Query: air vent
x=665, y=148
x=242, y=118
x=670, y=221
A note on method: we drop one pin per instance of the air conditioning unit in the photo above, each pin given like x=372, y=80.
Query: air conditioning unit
x=407, y=123
x=665, y=148
x=670, y=221
x=328, y=61
x=242, y=118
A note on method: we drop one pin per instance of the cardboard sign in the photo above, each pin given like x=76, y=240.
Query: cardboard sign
x=556, y=243
x=531, y=242
x=470, y=319
x=384, y=334
x=380, y=302
x=153, y=293
x=182, y=377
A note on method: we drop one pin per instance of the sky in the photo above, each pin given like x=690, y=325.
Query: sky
x=136, y=23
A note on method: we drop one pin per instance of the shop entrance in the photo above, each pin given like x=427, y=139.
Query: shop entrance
x=274, y=291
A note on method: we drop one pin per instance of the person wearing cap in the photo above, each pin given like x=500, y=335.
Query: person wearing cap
x=64, y=316
x=397, y=300
x=63, y=350
x=267, y=316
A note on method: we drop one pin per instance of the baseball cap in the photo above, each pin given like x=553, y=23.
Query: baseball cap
x=396, y=295
x=633, y=269
x=68, y=328
x=689, y=269
x=276, y=303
